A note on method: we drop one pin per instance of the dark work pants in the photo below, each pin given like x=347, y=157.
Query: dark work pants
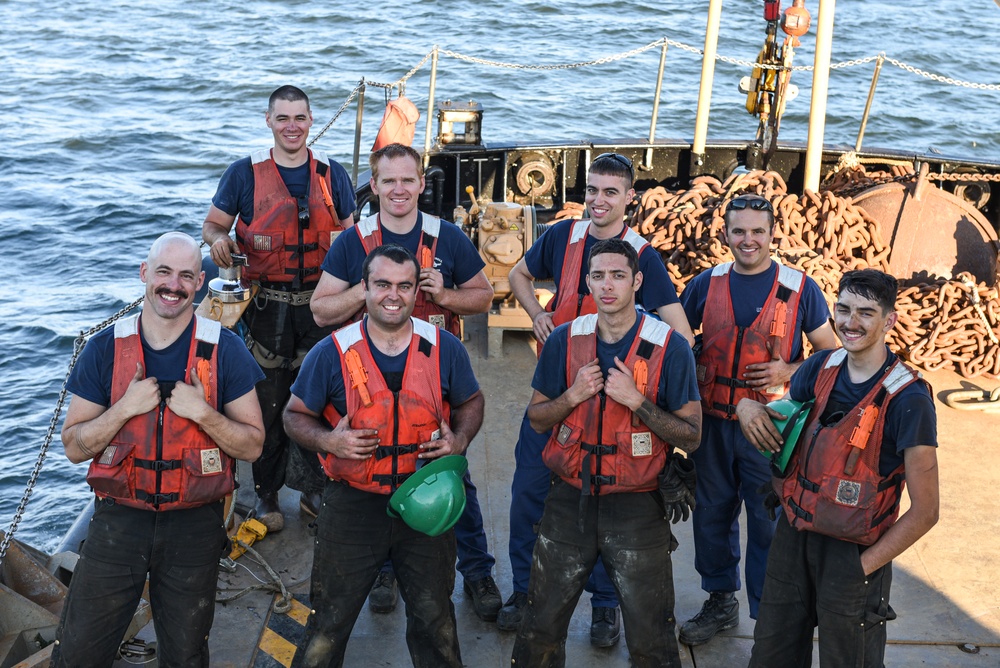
x=632, y=535
x=730, y=472
x=815, y=580
x=286, y=331
x=474, y=559
x=528, y=490
x=179, y=549
x=354, y=538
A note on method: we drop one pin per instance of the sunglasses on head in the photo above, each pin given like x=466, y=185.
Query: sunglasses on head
x=755, y=203
x=620, y=159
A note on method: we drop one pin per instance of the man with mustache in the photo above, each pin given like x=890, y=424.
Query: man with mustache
x=872, y=430
x=288, y=204
x=375, y=400
x=752, y=313
x=163, y=404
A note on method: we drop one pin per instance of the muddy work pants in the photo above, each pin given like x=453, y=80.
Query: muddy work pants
x=528, y=490
x=631, y=533
x=354, y=538
x=814, y=580
x=179, y=549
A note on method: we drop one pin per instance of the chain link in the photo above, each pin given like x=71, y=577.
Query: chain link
x=937, y=77
x=78, y=344
x=855, y=62
x=350, y=98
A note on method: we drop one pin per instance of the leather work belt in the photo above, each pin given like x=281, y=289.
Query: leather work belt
x=293, y=298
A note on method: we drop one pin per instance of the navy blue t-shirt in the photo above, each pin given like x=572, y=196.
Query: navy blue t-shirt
x=544, y=261
x=234, y=195
x=748, y=294
x=910, y=419
x=321, y=380
x=677, y=367
x=92, y=375
x=455, y=256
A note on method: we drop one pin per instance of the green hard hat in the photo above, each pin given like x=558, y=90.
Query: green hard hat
x=432, y=499
x=796, y=415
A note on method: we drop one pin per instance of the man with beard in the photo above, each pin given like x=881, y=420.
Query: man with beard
x=163, y=405
x=452, y=284
x=375, y=400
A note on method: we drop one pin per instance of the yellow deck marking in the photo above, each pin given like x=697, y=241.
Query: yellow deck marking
x=277, y=647
x=299, y=612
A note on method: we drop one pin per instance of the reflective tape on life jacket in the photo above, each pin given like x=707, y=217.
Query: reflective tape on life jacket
x=403, y=419
x=598, y=448
x=832, y=484
x=728, y=349
x=159, y=460
x=370, y=232
x=286, y=242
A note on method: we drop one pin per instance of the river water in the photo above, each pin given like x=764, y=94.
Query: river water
x=122, y=114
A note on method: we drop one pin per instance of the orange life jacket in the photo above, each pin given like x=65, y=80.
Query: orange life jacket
x=728, y=349
x=399, y=124
x=282, y=244
x=404, y=419
x=567, y=304
x=602, y=447
x=370, y=232
x=159, y=460
x=833, y=485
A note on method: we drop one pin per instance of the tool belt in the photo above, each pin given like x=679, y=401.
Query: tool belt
x=293, y=298
x=270, y=360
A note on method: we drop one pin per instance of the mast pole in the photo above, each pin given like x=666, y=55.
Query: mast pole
x=705, y=90
x=430, y=107
x=820, y=88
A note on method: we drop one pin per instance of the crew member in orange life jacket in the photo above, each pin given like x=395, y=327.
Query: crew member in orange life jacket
x=561, y=254
x=752, y=313
x=291, y=202
x=452, y=283
x=163, y=404
x=616, y=391
x=415, y=381
x=872, y=429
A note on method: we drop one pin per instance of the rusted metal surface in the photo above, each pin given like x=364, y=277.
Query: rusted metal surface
x=932, y=232
x=32, y=580
x=945, y=322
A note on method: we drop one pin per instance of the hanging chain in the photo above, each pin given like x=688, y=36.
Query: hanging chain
x=78, y=344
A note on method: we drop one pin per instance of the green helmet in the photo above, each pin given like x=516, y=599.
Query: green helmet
x=432, y=499
x=796, y=415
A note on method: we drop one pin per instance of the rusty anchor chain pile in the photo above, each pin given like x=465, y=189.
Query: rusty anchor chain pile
x=944, y=324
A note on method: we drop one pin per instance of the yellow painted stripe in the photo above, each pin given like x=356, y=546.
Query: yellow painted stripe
x=277, y=647
x=299, y=612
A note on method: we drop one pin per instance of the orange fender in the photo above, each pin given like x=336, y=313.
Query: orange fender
x=399, y=123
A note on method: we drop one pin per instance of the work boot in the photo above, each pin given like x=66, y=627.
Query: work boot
x=510, y=615
x=720, y=612
x=310, y=502
x=384, y=594
x=486, y=598
x=605, y=629
x=268, y=512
